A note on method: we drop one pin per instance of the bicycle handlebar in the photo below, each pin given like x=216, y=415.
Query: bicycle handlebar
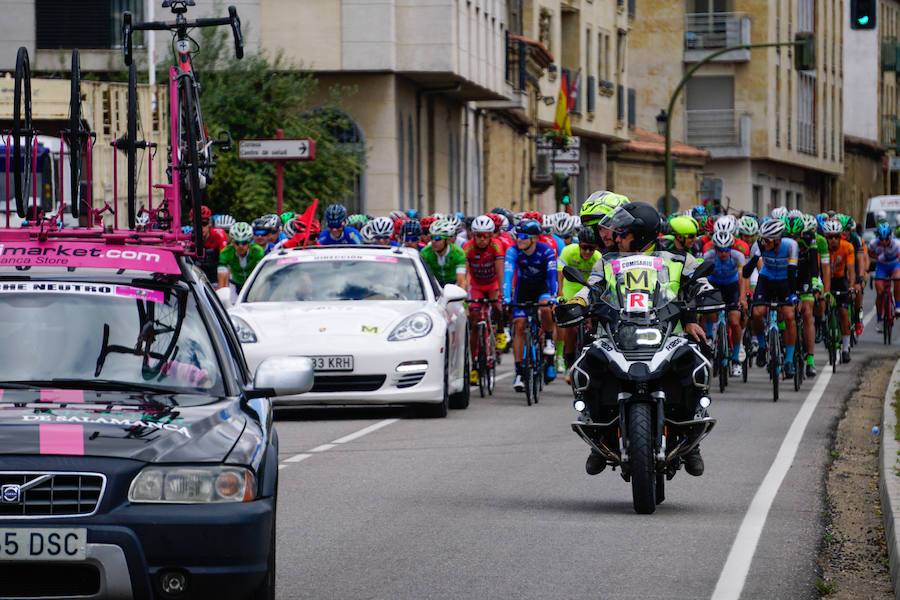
x=128, y=28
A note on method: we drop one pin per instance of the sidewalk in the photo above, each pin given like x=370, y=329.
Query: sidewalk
x=889, y=481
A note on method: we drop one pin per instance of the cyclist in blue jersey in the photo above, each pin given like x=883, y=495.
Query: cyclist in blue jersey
x=337, y=231
x=777, y=283
x=267, y=231
x=885, y=249
x=726, y=276
x=530, y=276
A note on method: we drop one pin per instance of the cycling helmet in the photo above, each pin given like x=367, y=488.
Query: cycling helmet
x=241, y=232
x=397, y=214
x=809, y=223
x=793, y=225
x=795, y=213
x=426, y=223
x=881, y=215
x=460, y=215
x=381, y=227
x=832, y=227
x=505, y=223
x=565, y=226
x=638, y=218
x=411, y=230
x=335, y=215
x=187, y=229
x=268, y=223
x=534, y=216
x=357, y=220
x=548, y=222
x=496, y=219
x=722, y=239
x=223, y=221
x=586, y=235
x=445, y=228
x=883, y=231
x=529, y=227
x=779, y=212
x=483, y=224
x=698, y=211
x=292, y=227
x=772, y=229
x=600, y=205
x=457, y=224
x=439, y=216
x=412, y=213
x=366, y=233
x=844, y=221
x=142, y=219
x=287, y=217
x=205, y=213
x=726, y=223
x=748, y=226
x=684, y=226
x=820, y=219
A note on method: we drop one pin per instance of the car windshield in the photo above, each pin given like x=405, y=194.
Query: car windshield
x=116, y=336
x=320, y=277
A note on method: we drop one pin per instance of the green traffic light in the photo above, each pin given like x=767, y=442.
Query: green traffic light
x=863, y=20
x=566, y=199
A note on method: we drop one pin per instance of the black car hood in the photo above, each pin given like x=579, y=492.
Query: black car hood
x=148, y=428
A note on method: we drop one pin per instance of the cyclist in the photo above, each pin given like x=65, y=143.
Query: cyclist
x=530, y=276
x=863, y=264
x=295, y=231
x=582, y=255
x=223, y=222
x=595, y=210
x=728, y=263
x=548, y=225
x=380, y=231
x=683, y=234
x=445, y=259
x=728, y=224
x=777, y=282
x=843, y=261
x=565, y=228
x=357, y=221
x=885, y=250
x=240, y=257
x=214, y=241
x=267, y=231
x=411, y=234
x=338, y=231
x=426, y=223
x=808, y=282
x=484, y=265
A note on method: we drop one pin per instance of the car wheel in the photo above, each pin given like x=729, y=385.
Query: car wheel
x=266, y=590
x=460, y=400
x=439, y=411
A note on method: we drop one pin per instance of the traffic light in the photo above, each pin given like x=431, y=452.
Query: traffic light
x=563, y=193
x=863, y=14
x=805, y=51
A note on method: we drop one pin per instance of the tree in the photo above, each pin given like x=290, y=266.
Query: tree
x=253, y=97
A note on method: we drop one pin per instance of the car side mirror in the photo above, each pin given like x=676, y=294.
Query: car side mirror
x=283, y=376
x=574, y=275
x=454, y=293
x=224, y=295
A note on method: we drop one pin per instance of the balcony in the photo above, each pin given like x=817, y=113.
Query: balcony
x=725, y=133
x=889, y=126
x=708, y=32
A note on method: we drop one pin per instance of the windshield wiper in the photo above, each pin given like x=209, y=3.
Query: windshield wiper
x=90, y=384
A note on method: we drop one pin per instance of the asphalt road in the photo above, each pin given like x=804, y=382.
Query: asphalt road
x=493, y=501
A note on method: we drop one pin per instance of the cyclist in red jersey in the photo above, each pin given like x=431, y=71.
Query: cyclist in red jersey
x=214, y=240
x=484, y=264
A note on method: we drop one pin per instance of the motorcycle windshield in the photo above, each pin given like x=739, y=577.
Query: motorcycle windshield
x=639, y=285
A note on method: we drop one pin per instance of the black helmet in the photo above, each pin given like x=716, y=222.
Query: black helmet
x=586, y=235
x=638, y=218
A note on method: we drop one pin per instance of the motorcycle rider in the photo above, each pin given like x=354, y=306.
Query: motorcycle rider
x=635, y=228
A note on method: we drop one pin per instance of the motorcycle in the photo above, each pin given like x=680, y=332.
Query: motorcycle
x=640, y=386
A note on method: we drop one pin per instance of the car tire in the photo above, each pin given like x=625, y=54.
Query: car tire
x=439, y=411
x=460, y=400
x=266, y=590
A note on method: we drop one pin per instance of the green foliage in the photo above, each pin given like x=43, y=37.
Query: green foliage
x=253, y=97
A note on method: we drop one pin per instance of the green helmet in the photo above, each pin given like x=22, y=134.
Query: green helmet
x=357, y=221
x=600, y=205
x=793, y=225
x=241, y=232
x=682, y=225
x=845, y=221
x=287, y=217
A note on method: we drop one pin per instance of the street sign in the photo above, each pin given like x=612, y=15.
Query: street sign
x=895, y=163
x=567, y=155
x=545, y=144
x=276, y=149
x=566, y=168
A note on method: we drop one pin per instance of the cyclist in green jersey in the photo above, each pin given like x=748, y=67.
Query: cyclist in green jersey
x=808, y=283
x=810, y=228
x=445, y=260
x=238, y=259
x=583, y=256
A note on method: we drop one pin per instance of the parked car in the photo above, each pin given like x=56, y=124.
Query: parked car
x=375, y=323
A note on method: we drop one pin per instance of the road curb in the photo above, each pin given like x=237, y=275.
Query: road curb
x=888, y=483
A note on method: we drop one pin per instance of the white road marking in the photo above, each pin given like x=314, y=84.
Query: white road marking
x=347, y=438
x=734, y=573
x=504, y=376
x=868, y=317
x=322, y=448
x=297, y=458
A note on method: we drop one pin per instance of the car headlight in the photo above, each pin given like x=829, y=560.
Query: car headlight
x=413, y=326
x=245, y=333
x=193, y=485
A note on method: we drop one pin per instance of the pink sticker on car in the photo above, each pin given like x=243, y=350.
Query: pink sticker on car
x=132, y=292
x=62, y=396
x=61, y=439
x=83, y=254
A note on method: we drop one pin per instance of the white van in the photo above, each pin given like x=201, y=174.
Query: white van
x=889, y=205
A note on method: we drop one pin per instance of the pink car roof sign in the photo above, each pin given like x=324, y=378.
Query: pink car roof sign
x=150, y=259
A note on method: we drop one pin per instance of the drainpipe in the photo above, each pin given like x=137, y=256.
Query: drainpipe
x=419, y=95
x=465, y=177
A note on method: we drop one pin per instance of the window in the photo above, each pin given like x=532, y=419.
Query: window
x=757, y=200
x=620, y=52
x=789, y=199
x=588, y=55
x=806, y=113
x=603, y=56
x=94, y=24
x=778, y=106
x=775, y=195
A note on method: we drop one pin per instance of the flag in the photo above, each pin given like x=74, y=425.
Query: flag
x=561, y=121
x=574, y=90
x=306, y=219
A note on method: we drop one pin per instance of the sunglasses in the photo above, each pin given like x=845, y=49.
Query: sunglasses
x=690, y=236
x=261, y=232
x=721, y=249
x=438, y=238
x=382, y=238
x=410, y=238
x=586, y=248
x=524, y=236
x=241, y=243
x=484, y=236
x=833, y=237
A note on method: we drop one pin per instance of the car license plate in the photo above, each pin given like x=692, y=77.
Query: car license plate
x=332, y=363
x=42, y=544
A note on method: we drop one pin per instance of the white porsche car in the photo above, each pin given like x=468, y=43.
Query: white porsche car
x=377, y=326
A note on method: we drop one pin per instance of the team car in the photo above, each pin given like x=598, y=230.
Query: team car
x=139, y=457
x=377, y=326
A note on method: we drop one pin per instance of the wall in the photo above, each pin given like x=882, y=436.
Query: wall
x=506, y=165
x=862, y=51
x=639, y=179
x=864, y=177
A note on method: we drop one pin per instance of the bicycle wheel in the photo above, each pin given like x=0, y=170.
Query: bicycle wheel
x=774, y=349
x=887, y=312
x=75, y=139
x=722, y=357
x=131, y=145
x=190, y=154
x=748, y=357
x=527, y=367
x=480, y=361
x=22, y=133
x=799, y=354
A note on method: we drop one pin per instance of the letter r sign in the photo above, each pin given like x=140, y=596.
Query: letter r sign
x=638, y=301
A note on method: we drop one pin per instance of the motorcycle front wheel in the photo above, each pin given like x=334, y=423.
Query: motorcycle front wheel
x=640, y=452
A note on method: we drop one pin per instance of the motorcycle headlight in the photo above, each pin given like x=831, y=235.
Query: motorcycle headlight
x=245, y=333
x=412, y=327
x=193, y=485
x=633, y=338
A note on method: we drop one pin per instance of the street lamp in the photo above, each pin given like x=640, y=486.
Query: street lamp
x=662, y=121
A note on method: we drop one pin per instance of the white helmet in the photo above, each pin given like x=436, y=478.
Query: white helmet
x=439, y=216
x=444, y=228
x=381, y=227
x=772, y=229
x=726, y=223
x=223, y=221
x=779, y=212
x=795, y=214
x=457, y=224
x=549, y=221
x=483, y=224
x=722, y=239
x=748, y=226
x=142, y=219
x=832, y=227
x=366, y=233
x=504, y=223
x=565, y=226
